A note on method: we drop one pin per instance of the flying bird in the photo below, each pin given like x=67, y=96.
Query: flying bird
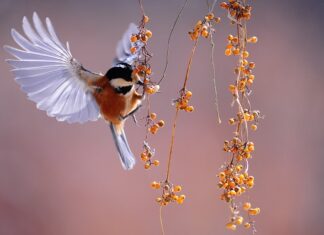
x=60, y=85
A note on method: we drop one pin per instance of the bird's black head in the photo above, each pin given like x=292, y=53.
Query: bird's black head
x=121, y=70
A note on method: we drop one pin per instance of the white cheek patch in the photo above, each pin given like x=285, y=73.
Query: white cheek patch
x=120, y=82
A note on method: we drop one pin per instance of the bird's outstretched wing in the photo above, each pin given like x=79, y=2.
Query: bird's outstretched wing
x=123, y=53
x=51, y=77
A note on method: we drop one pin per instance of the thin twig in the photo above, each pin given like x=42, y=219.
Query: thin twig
x=169, y=40
x=172, y=144
x=177, y=110
x=214, y=77
x=161, y=221
x=142, y=7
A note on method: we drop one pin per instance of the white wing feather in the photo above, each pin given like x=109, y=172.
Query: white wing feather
x=123, y=54
x=50, y=76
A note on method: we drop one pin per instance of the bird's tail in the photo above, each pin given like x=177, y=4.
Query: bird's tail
x=126, y=156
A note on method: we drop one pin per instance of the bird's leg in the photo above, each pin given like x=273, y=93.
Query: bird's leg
x=131, y=113
x=135, y=120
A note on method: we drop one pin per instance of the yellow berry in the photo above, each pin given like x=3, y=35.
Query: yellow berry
x=253, y=39
x=231, y=121
x=204, y=33
x=246, y=54
x=210, y=16
x=239, y=220
x=146, y=19
x=230, y=37
x=254, y=127
x=231, y=226
x=246, y=206
x=156, y=162
x=188, y=94
x=217, y=20
x=232, y=88
x=158, y=199
x=153, y=116
x=251, y=76
x=181, y=199
x=221, y=175
x=245, y=62
x=148, y=33
x=147, y=165
x=247, y=225
x=177, y=188
x=190, y=109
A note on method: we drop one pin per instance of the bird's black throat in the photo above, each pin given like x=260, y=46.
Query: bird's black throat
x=123, y=90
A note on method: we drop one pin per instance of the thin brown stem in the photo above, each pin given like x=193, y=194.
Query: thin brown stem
x=172, y=144
x=161, y=221
x=169, y=41
x=214, y=77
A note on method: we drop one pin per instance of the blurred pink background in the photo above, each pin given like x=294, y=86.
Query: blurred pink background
x=57, y=178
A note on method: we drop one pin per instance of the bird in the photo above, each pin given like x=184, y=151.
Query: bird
x=52, y=78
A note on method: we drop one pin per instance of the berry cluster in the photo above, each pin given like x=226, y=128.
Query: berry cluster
x=234, y=179
x=237, y=10
x=169, y=193
x=182, y=102
x=204, y=27
x=147, y=155
x=154, y=126
x=247, y=116
x=238, y=220
x=141, y=37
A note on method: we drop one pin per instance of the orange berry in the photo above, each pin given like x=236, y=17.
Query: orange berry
x=232, y=88
x=144, y=157
x=177, y=188
x=254, y=211
x=236, y=51
x=204, y=33
x=254, y=127
x=210, y=16
x=253, y=39
x=217, y=20
x=246, y=206
x=228, y=52
x=230, y=37
x=153, y=116
x=247, y=225
x=155, y=185
x=156, y=162
x=231, y=121
x=239, y=220
x=133, y=38
x=231, y=226
x=224, y=5
x=188, y=94
x=133, y=50
x=147, y=165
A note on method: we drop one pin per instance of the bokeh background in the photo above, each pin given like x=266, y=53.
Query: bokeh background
x=57, y=178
